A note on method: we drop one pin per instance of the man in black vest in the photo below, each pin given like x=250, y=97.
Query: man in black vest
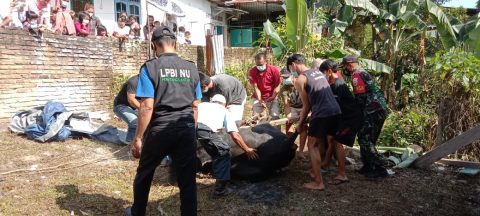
x=169, y=88
x=318, y=98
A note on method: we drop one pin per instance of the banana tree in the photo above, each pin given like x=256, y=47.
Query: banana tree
x=453, y=33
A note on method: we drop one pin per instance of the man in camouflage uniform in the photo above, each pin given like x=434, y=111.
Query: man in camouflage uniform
x=374, y=106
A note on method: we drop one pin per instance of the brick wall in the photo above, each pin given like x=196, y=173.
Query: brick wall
x=74, y=70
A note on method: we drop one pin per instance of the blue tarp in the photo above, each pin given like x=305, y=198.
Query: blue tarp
x=52, y=126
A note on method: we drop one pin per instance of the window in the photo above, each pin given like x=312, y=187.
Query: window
x=131, y=7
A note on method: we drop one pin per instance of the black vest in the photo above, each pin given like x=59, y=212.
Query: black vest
x=322, y=100
x=175, y=81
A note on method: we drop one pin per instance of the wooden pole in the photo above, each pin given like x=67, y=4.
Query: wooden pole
x=448, y=147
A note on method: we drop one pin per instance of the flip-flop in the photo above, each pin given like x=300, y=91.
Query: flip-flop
x=322, y=170
x=338, y=181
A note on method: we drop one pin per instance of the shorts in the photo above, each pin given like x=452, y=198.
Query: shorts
x=348, y=129
x=321, y=127
x=273, y=108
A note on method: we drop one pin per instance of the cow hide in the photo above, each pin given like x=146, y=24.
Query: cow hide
x=275, y=151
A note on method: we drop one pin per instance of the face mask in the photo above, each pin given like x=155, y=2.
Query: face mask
x=90, y=14
x=204, y=90
x=293, y=71
x=86, y=22
x=33, y=25
x=261, y=68
x=287, y=81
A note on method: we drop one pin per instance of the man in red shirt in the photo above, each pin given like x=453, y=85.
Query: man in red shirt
x=265, y=80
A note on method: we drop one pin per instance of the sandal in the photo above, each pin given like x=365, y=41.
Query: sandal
x=337, y=181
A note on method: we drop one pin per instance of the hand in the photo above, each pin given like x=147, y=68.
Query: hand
x=264, y=105
x=301, y=127
x=270, y=99
x=251, y=153
x=136, y=148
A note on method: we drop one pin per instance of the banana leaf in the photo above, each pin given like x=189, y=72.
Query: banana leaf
x=364, y=4
x=441, y=21
x=277, y=43
x=296, y=23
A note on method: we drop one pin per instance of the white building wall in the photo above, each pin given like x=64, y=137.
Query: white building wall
x=198, y=13
x=105, y=10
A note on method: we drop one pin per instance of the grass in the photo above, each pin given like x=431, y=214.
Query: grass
x=105, y=187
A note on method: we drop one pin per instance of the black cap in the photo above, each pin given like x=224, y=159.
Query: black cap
x=285, y=73
x=161, y=32
x=349, y=59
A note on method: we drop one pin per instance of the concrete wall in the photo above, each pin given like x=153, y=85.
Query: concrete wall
x=74, y=70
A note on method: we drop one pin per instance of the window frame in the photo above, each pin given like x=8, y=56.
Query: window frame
x=128, y=4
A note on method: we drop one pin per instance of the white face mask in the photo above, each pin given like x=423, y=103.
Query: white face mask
x=261, y=68
x=204, y=90
x=33, y=24
x=90, y=14
x=86, y=21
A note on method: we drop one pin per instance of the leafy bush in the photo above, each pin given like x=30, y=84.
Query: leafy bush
x=241, y=73
x=118, y=81
x=404, y=129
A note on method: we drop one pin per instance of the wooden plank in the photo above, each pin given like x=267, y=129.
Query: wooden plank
x=273, y=123
x=448, y=147
x=460, y=163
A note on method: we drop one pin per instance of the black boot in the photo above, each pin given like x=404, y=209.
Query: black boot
x=365, y=169
x=220, y=188
x=378, y=172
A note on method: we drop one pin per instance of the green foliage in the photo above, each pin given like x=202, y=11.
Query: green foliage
x=296, y=23
x=404, y=129
x=241, y=73
x=455, y=69
x=318, y=46
x=118, y=81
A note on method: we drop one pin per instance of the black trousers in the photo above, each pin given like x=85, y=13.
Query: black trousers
x=180, y=144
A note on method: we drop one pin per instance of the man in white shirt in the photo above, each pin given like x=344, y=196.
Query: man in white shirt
x=213, y=116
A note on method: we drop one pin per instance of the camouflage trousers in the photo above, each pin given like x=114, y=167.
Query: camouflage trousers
x=367, y=139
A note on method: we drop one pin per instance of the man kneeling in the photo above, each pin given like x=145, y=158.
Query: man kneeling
x=212, y=117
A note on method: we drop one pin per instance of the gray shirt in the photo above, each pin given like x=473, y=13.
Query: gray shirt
x=228, y=86
x=322, y=100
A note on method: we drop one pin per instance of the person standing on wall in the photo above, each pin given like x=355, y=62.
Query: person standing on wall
x=228, y=86
x=375, y=109
x=94, y=20
x=265, y=80
x=169, y=89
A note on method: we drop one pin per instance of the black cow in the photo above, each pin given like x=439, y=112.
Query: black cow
x=275, y=151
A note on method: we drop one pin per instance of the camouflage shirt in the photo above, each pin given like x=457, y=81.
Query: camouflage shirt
x=372, y=100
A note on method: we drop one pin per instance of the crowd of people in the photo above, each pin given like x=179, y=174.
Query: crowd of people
x=38, y=16
x=169, y=106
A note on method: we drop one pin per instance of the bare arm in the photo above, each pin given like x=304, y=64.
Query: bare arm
x=276, y=91
x=239, y=141
x=300, y=86
x=144, y=117
x=195, y=110
x=257, y=91
x=133, y=101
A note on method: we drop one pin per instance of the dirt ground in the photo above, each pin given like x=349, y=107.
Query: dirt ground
x=82, y=177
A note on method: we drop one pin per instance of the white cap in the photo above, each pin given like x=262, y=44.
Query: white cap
x=219, y=98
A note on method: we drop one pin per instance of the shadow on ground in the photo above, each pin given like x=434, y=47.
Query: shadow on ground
x=88, y=204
